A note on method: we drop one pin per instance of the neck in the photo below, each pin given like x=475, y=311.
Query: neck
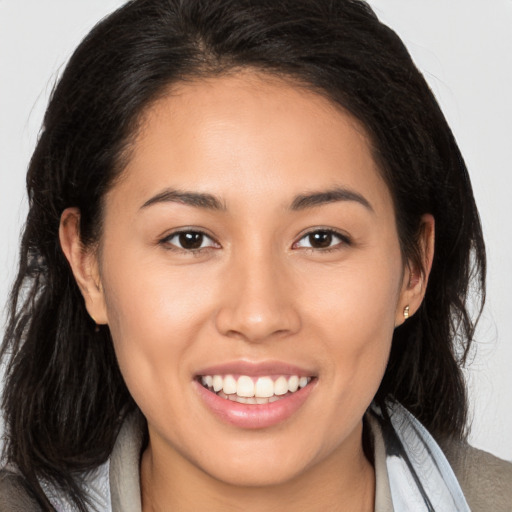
x=343, y=482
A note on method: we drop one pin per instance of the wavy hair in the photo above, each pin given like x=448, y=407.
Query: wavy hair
x=64, y=397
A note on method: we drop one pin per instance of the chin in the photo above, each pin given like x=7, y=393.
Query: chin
x=271, y=463
x=249, y=474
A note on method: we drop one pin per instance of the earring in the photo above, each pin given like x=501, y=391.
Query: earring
x=406, y=312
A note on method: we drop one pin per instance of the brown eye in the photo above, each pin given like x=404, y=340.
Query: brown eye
x=189, y=241
x=320, y=239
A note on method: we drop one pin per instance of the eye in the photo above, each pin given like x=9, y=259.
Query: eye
x=322, y=239
x=190, y=240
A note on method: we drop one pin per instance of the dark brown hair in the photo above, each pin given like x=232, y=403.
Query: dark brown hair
x=64, y=398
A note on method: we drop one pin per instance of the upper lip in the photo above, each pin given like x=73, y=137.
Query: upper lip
x=253, y=368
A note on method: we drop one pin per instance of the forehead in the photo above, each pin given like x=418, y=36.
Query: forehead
x=250, y=134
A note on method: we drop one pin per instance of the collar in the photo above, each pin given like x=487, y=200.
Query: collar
x=124, y=468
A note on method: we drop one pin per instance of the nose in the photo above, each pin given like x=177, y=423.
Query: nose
x=258, y=301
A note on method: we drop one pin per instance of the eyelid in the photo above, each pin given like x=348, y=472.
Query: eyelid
x=344, y=239
x=165, y=240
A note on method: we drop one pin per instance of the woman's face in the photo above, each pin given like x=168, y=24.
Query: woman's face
x=250, y=244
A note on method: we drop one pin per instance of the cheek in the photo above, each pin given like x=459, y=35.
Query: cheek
x=352, y=316
x=154, y=316
x=356, y=297
x=144, y=295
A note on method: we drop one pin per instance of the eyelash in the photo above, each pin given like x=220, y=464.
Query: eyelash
x=166, y=241
x=344, y=240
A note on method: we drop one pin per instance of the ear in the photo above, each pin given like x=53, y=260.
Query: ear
x=416, y=276
x=84, y=265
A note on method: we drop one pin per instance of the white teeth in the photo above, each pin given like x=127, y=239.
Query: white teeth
x=251, y=390
x=281, y=386
x=229, y=387
x=245, y=386
x=264, y=387
x=218, y=382
x=293, y=383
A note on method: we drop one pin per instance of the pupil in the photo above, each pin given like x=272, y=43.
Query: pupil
x=320, y=239
x=191, y=240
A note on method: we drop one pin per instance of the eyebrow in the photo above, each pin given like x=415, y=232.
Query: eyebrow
x=305, y=201
x=300, y=202
x=196, y=199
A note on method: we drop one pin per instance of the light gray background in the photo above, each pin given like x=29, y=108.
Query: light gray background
x=464, y=49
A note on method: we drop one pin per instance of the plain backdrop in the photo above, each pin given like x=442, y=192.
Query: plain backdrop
x=464, y=49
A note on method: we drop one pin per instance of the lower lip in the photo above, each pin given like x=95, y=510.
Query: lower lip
x=254, y=416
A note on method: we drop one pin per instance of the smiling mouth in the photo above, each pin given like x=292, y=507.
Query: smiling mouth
x=254, y=390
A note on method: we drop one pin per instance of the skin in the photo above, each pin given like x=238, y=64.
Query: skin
x=254, y=292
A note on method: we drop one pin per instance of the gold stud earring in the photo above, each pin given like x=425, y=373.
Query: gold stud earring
x=406, y=312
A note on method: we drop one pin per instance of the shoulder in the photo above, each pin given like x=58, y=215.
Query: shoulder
x=14, y=495
x=485, y=479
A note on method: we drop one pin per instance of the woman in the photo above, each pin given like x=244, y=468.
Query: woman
x=246, y=260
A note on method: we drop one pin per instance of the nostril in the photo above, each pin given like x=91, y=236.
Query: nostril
x=238, y=322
